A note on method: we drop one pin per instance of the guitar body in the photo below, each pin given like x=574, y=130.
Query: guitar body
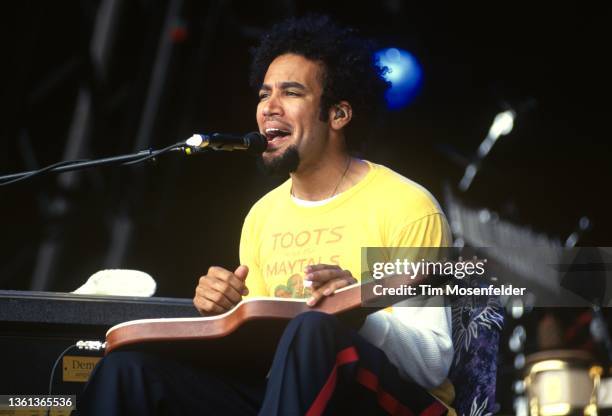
x=248, y=334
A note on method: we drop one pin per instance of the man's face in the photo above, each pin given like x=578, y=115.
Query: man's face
x=288, y=113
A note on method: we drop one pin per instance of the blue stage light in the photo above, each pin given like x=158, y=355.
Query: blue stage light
x=405, y=75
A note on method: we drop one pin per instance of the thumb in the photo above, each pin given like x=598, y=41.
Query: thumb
x=241, y=272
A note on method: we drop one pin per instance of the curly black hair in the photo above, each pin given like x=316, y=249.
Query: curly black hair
x=351, y=71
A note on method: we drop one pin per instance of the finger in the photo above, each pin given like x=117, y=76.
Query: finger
x=217, y=271
x=325, y=275
x=227, y=276
x=228, y=291
x=314, y=297
x=348, y=278
x=241, y=272
x=211, y=282
x=213, y=308
x=329, y=288
x=205, y=306
x=316, y=284
x=219, y=299
x=321, y=266
x=216, y=297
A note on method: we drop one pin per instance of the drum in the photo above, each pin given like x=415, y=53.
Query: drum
x=562, y=382
x=604, y=394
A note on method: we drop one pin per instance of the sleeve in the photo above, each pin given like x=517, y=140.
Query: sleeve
x=416, y=339
x=249, y=256
x=429, y=231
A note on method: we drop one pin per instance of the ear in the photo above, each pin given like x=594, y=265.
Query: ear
x=340, y=115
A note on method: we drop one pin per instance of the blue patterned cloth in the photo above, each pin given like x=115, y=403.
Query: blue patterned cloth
x=476, y=327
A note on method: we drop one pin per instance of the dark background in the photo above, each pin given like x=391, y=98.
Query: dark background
x=171, y=68
x=186, y=213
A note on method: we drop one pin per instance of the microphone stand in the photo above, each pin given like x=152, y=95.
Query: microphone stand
x=65, y=166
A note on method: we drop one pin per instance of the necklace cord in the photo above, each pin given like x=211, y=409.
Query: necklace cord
x=350, y=159
x=348, y=165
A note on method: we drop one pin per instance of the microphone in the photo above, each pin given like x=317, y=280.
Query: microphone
x=252, y=142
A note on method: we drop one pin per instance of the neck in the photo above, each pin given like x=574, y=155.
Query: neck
x=333, y=171
x=323, y=179
x=327, y=179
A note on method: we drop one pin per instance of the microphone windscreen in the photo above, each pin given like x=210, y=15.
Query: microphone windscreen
x=257, y=142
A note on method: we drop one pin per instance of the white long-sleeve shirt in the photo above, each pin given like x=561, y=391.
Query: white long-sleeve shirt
x=416, y=339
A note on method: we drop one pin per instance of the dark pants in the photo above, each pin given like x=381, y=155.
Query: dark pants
x=319, y=368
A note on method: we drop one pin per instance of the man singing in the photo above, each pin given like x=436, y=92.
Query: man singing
x=303, y=239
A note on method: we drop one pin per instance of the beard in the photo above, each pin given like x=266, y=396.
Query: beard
x=281, y=165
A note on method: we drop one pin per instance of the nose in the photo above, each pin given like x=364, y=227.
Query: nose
x=272, y=106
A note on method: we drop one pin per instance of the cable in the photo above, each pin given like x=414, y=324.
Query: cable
x=151, y=154
x=42, y=170
x=155, y=153
x=53, y=372
x=82, y=345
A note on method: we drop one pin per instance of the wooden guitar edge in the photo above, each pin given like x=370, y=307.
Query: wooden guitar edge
x=192, y=329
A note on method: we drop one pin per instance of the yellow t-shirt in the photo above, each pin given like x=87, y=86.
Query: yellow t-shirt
x=280, y=238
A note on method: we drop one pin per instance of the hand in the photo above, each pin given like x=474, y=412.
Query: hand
x=326, y=279
x=220, y=290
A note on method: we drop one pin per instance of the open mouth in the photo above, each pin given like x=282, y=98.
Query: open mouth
x=274, y=134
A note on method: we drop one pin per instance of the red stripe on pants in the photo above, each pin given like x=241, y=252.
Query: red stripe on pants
x=369, y=380
x=346, y=356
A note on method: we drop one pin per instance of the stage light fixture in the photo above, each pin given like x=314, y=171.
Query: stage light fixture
x=405, y=75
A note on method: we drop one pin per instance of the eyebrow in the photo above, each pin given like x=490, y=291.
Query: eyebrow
x=284, y=85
